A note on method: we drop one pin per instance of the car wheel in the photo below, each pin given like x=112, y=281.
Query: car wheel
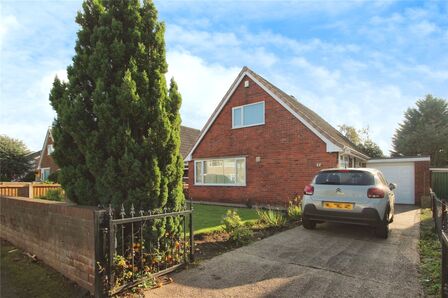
x=382, y=230
x=308, y=224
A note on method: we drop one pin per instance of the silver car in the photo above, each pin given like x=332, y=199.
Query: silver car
x=355, y=195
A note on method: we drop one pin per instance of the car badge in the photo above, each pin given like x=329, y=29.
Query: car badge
x=339, y=191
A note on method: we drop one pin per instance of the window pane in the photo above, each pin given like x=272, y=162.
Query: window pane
x=253, y=114
x=213, y=171
x=221, y=171
x=237, y=117
x=198, y=172
x=229, y=171
x=241, y=171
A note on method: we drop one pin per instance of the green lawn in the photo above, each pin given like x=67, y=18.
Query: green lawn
x=430, y=255
x=208, y=218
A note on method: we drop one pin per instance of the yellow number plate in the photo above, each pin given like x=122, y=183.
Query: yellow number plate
x=337, y=205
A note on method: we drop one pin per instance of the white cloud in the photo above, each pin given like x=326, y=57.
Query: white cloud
x=202, y=85
x=357, y=62
x=26, y=118
x=7, y=23
x=325, y=78
x=424, y=28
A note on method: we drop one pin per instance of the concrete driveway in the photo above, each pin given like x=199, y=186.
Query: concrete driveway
x=334, y=260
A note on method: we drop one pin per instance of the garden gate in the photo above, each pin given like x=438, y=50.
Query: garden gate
x=136, y=246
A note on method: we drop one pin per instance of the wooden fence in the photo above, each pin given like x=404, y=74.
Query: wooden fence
x=26, y=189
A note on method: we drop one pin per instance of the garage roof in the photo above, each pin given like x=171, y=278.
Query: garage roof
x=399, y=159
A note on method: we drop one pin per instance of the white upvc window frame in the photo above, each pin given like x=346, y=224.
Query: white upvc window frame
x=219, y=184
x=242, y=115
x=42, y=170
x=50, y=149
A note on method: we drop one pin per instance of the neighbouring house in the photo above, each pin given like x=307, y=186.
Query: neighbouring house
x=262, y=146
x=188, y=137
x=47, y=165
x=35, y=157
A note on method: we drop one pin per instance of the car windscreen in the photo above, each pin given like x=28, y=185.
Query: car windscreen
x=345, y=177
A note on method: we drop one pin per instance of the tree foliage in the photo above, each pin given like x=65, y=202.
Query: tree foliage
x=361, y=139
x=117, y=131
x=424, y=131
x=14, y=160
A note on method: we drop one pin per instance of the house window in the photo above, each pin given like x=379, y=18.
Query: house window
x=44, y=174
x=226, y=171
x=344, y=161
x=248, y=115
x=50, y=149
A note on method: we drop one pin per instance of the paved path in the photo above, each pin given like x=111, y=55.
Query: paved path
x=334, y=260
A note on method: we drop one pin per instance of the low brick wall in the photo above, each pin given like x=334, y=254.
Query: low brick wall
x=59, y=234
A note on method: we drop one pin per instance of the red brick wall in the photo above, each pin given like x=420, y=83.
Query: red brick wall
x=58, y=234
x=289, y=152
x=47, y=160
x=422, y=180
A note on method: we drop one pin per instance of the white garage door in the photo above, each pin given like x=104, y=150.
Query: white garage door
x=403, y=175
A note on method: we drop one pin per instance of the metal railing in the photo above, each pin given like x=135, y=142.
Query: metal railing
x=440, y=216
x=136, y=246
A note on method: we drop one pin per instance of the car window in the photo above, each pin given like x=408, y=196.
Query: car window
x=344, y=177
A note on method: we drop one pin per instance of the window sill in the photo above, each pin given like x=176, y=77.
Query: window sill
x=246, y=126
x=227, y=185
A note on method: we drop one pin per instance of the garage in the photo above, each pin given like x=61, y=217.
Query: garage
x=411, y=174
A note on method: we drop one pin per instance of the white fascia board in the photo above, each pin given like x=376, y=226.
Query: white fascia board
x=331, y=147
x=395, y=160
x=357, y=154
x=215, y=115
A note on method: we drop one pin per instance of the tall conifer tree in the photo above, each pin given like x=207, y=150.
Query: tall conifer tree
x=117, y=131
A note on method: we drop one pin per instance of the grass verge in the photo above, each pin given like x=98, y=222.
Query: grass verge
x=430, y=255
x=23, y=277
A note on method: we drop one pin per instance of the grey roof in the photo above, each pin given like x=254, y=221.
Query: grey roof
x=33, y=155
x=188, y=137
x=311, y=117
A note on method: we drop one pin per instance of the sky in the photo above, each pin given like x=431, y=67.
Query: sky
x=360, y=63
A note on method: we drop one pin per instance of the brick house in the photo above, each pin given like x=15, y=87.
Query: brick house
x=262, y=146
x=47, y=165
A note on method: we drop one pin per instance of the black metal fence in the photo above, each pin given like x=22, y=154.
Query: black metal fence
x=440, y=216
x=136, y=246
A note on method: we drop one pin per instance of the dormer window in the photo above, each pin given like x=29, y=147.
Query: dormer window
x=248, y=115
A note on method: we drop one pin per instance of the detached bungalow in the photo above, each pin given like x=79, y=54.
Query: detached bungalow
x=262, y=146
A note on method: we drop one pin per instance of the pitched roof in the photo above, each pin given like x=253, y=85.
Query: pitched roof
x=47, y=136
x=336, y=142
x=188, y=137
x=34, y=155
x=312, y=118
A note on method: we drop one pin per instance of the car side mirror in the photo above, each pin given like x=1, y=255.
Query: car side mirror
x=392, y=186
